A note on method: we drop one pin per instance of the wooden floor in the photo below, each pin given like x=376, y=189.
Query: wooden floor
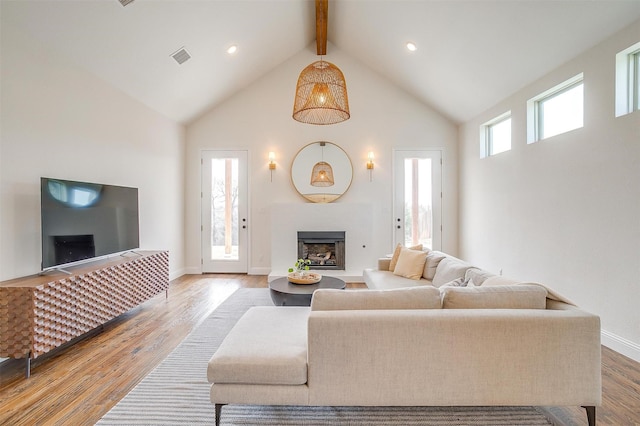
x=78, y=384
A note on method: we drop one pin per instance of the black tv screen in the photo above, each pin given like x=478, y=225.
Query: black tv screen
x=82, y=220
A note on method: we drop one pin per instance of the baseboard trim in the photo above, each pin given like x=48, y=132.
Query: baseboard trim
x=192, y=270
x=621, y=345
x=195, y=270
x=176, y=274
x=259, y=270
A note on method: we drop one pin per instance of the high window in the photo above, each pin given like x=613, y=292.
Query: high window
x=628, y=80
x=557, y=110
x=636, y=80
x=495, y=135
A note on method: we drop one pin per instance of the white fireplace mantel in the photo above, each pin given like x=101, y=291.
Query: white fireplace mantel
x=355, y=219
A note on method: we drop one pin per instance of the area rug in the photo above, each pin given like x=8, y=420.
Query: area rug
x=176, y=392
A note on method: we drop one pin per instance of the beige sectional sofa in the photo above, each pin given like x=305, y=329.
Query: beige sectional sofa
x=418, y=346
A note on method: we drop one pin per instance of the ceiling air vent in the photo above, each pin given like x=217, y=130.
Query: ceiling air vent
x=126, y=2
x=181, y=56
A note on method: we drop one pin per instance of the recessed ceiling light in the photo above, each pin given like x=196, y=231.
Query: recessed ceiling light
x=232, y=49
x=412, y=46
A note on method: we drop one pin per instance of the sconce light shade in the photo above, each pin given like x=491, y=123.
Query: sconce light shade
x=272, y=164
x=322, y=174
x=370, y=165
x=321, y=95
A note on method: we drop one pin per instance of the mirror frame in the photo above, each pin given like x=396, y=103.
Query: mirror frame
x=303, y=163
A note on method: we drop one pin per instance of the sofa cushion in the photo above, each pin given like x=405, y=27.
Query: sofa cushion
x=268, y=345
x=518, y=296
x=430, y=265
x=396, y=255
x=551, y=293
x=423, y=297
x=410, y=263
x=449, y=269
x=385, y=280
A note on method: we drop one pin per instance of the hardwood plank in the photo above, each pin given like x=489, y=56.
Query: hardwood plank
x=77, y=384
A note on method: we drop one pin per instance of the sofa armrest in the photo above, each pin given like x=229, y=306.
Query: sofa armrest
x=383, y=263
x=454, y=357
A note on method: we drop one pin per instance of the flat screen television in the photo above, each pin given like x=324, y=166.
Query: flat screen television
x=82, y=221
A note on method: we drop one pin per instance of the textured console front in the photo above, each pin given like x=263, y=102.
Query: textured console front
x=37, y=317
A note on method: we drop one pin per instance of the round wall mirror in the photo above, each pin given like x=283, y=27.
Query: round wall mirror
x=321, y=172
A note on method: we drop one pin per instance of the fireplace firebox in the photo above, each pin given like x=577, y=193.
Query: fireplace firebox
x=325, y=249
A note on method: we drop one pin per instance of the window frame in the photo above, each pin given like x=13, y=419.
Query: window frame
x=535, y=122
x=628, y=80
x=486, y=135
x=635, y=76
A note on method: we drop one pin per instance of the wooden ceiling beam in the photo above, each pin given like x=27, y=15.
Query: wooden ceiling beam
x=322, y=13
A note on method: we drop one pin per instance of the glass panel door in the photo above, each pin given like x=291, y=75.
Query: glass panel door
x=224, y=211
x=417, y=199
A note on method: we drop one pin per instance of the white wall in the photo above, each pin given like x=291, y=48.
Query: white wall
x=564, y=211
x=60, y=121
x=259, y=119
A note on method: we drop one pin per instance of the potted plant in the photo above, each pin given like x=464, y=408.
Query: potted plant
x=301, y=266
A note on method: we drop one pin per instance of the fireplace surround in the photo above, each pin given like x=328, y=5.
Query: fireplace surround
x=355, y=219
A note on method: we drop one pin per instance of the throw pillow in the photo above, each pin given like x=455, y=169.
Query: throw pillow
x=498, y=280
x=396, y=254
x=449, y=269
x=477, y=275
x=420, y=297
x=519, y=296
x=410, y=263
x=433, y=259
x=458, y=282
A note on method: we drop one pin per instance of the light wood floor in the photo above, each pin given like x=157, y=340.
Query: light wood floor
x=78, y=384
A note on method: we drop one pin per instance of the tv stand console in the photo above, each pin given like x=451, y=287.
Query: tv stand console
x=38, y=313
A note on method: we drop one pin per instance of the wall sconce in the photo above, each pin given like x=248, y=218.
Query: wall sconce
x=272, y=164
x=370, y=164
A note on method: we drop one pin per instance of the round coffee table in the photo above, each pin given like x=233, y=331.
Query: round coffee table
x=284, y=293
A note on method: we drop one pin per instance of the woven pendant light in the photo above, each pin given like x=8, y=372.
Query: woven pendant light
x=321, y=95
x=322, y=174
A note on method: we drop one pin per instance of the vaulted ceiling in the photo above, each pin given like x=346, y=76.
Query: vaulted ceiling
x=471, y=54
